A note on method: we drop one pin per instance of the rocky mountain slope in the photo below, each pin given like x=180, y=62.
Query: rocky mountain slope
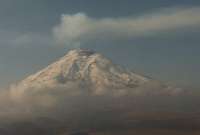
x=87, y=69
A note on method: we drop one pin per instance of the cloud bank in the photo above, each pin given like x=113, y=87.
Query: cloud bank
x=75, y=29
x=19, y=102
x=57, y=110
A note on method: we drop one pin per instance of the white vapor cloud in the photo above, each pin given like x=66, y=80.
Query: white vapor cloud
x=79, y=28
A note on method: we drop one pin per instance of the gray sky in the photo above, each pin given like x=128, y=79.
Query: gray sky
x=158, y=38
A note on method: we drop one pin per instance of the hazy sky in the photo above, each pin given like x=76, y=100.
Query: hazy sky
x=158, y=38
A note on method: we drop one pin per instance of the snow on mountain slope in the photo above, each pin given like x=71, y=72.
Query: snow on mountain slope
x=86, y=68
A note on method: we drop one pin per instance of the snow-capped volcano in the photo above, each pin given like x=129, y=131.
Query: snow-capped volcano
x=87, y=72
x=85, y=90
x=86, y=68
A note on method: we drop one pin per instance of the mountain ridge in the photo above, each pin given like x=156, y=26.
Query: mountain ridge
x=85, y=65
x=83, y=71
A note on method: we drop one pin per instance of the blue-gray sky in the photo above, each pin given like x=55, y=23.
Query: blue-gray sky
x=158, y=38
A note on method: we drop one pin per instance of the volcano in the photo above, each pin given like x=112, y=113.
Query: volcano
x=90, y=70
x=86, y=93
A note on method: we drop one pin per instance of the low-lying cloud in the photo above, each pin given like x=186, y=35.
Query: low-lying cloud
x=21, y=102
x=76, y=29
x=68, y=108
